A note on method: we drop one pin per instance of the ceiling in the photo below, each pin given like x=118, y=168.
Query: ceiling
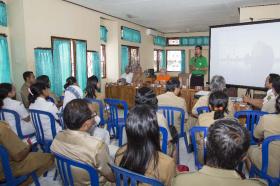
x=174, y=15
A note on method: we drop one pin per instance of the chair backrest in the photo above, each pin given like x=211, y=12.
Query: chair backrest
x=114, y=106
x=194, y=132
x=168, y=113
x=37, y=122
x=201, y=110
x=64, y=166
x=125, y=177
x=100, y=106
x=164, y=139
x=61, y=121
x=17, y=120
x=252, y=119
x=9, y=178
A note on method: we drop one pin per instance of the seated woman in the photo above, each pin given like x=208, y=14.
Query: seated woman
x=7, y=101
x=142, y=153
x=91, y=92
x=38, y=93
x=218, y=103
x=162, y=77
x=268, y=125
x=72, y=91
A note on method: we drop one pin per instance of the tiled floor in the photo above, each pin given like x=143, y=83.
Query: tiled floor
x=185, y=159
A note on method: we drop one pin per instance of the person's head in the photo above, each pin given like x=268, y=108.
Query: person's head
x=92, y=87
x=173, y=85
x=162, y=71
x=127, y=69
x=29, y=77
x=6, y=90
x=70, y=81
x=78, y=116
x=218, y=102
x=44, y=79
x=269, y=79
x=38, y=89
x=227, y=144
x=276, y=86
x=218, y=83
x=143, y=139
x=198, y=50
x=146, y=95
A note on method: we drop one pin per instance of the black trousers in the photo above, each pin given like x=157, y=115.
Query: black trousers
x=197, y=80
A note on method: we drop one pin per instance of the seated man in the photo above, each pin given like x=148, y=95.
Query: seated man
x=171, y=98
x=269, y=106
x=22, y=161
x=162, y=77
x=270, y=96
x=127, y=76
x=29, y=79
x=76, y=143
x=227, y=145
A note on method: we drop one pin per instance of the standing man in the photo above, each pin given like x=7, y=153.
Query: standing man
x=29, y=79
x=199, y=67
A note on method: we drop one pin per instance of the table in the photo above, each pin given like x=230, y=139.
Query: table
x=128, y=92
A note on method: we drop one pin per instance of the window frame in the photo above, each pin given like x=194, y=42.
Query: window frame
x=167, y=59
x=158, y=58
x=105, y=61
x=172, y=38
x=129, y=53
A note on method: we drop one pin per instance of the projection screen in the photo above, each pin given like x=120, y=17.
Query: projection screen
x=245, y=53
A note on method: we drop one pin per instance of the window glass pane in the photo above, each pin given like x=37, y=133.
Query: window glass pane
x=134, y=56
x=155, y=60
x=174, y=60
x=73, y=66
x=89, y=64
x=103, y=61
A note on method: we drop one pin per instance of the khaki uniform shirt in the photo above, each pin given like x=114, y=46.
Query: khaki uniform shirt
x=80, y=146
x=164, y=172
x=269, y=125
x=269, y=105
x=207, y=119
x=214, y=177
x=32, y=162
x=203, y=101
x=24, y=94
x=170, y=99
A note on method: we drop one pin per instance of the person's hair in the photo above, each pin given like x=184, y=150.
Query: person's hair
x=218, y=83
x=198, y=46
x=76, y=113
x=227, y=144
x=219, y=99
x=36, y=90
x=172, y=84
x=146, y=95
x=5, y=88
x=26, y=75
x=143, y=139
x=44, y=79
x=91, y=87
x=276, y=85
x=272, y=76
x=70, y=81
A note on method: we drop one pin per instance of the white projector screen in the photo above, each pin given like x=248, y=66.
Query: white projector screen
x=245, y=53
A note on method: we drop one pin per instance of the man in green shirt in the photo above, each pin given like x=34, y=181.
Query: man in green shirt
x=199, y=67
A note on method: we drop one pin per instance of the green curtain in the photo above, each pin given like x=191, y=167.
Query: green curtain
x=160, y=41
x=5, y=73
x=62, y=64
x=44, y=64
x=192, y=41
x=96, y=67
x=124, y=56
x=132, y=35
x=81, y=63
x=103, y=33
x=163, y=60
x=3, y=14
x=183, y=61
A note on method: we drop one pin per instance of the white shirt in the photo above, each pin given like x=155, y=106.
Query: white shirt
x=69, y=96
x=127, y=77
x=269, y=95
x=26, y=127
x=43, y=105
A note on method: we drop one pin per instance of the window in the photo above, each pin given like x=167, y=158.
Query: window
x=133, y=55
x=103, y=60
x=174, y=58
x=173, y=41
x=89, y=63
x=157, y=59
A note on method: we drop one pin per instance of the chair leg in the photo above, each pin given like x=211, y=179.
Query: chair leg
x=35, y=179
x=178, y=152
x=188, y=147
x=252, y=171
x=55, y=174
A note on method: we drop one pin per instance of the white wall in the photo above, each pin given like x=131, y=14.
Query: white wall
x=260, y=13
